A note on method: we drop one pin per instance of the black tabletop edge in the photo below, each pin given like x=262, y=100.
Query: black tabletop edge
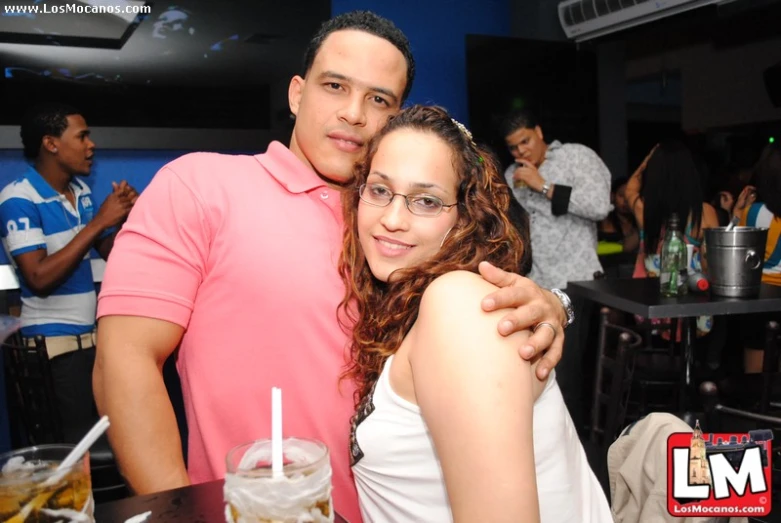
x=202, y=503
x=641, y=296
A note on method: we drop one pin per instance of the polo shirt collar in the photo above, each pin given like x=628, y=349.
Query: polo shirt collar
x=43, y=188
x=288, y=170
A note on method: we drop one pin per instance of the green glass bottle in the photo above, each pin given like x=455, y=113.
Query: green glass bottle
x=673, y=273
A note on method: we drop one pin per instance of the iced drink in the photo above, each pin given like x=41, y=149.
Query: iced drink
x=301, y=494
x=27, y=494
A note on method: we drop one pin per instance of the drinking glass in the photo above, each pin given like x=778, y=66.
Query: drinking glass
x=28, y=493
x=301, y=493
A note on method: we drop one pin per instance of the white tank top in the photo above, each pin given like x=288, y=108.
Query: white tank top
x=399, y=479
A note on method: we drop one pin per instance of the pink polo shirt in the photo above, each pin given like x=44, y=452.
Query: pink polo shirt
x=242, y=251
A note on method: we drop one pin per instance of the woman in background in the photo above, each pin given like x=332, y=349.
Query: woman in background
x=668, y=182
x=766, y=213
x=451, y=425
x=619, y=227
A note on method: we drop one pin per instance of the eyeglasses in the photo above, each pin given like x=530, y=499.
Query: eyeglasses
x=419, y=204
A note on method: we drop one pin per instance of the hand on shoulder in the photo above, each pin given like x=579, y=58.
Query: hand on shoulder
x=451, y=311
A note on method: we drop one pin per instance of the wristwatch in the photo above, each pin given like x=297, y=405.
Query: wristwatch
x=545, y=189
x=567, y=304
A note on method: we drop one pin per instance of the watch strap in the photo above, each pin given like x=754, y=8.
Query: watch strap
x=567, y=304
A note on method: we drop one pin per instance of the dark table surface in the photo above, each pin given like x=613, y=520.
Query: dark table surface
x=641, y=296
x=195, y=504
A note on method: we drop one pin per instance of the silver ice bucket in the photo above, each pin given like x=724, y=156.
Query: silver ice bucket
x=735, y=259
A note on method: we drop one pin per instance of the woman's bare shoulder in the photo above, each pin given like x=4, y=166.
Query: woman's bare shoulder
x=456, y=289
x=709, y=216
x=451, y=305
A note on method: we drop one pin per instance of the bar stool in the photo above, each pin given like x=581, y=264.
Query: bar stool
x=612, y=385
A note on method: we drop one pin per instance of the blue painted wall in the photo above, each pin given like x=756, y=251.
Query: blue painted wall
x=437, y=30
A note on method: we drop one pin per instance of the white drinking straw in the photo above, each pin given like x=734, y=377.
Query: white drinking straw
x=276, y=432
x=79, y=450
x=62, y=470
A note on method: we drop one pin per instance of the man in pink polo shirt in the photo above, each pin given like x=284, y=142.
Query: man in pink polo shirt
x=233, y=258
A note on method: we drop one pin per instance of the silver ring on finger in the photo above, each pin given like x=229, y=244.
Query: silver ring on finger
x=549, y=325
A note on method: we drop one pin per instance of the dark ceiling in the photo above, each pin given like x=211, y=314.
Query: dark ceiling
x=731, y=24
x=200, y=41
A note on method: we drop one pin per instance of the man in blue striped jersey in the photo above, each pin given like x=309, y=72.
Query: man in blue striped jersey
x=49, y=223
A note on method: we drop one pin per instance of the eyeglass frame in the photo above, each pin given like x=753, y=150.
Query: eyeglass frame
x=406, y=201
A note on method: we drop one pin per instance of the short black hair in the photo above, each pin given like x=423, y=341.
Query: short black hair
x=50, y=119
x=367, y=22
x=518, y=119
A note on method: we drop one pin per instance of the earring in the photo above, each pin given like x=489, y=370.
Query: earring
x=445, y=237
x=54, y=150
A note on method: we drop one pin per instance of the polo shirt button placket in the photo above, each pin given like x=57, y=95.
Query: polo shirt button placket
x=324, y=195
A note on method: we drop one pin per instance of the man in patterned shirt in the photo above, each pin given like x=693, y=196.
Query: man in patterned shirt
x=566, y=190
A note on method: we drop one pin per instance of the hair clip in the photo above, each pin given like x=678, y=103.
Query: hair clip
x=463, y=129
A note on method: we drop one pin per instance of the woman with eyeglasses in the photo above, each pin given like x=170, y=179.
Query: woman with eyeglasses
x=450, y=425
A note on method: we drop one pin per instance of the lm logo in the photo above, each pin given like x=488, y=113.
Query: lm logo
x=712, y=474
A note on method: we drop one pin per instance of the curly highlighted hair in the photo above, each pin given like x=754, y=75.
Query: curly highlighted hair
x=381, y=314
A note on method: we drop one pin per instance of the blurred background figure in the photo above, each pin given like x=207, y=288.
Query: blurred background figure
x=618, y=232
x=761, y=207
x=49, y=226
x=668, y=182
